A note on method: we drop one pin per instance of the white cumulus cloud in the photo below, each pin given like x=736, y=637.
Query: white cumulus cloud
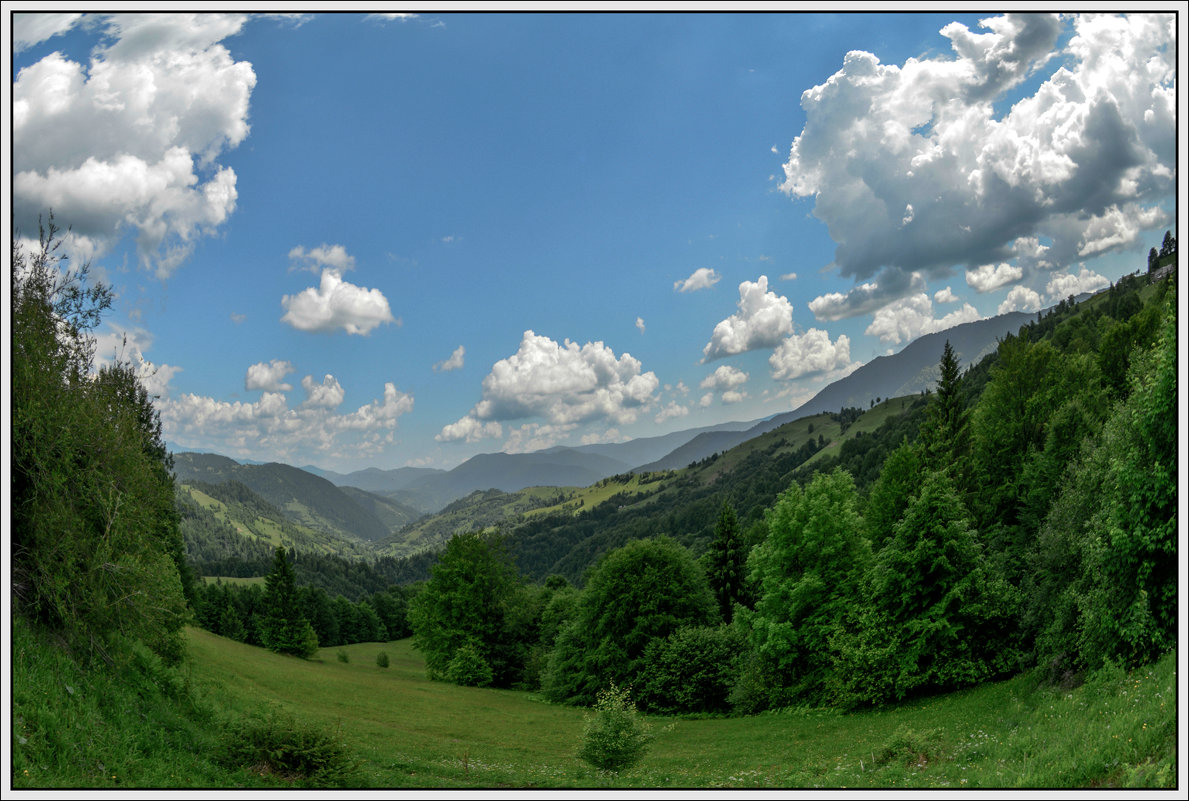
x=910, y=317
x=1020, y=298
x=1064, y=285
x=725, y=377
x=130, y=141
x=336, y=304
x=924, y=166
x=455, y=362
x=702, y=278
x=763, y=318
x=268, y=377
x=989, y=277
x=809, y=353
x=329, y=394
x=334, y=256
x=562, y=383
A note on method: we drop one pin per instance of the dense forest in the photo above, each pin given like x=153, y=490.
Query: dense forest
x=1021, y=516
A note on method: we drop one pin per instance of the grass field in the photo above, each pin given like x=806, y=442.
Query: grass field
x=406, y=731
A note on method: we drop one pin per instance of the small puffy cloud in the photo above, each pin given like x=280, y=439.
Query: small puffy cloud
x=989, y=277
x=269, y=427
x=1065, y=285
x=671, y=410
x=336, y=304
x=562, y=383
x=724, y=378
x=1020, y=298
x=910, y=317
x=329, y=394
x=268, y=377
x=789, y=277
x=811, y=352
x=925, y=166
x=455, y=361
x=763, y=318
x=333, y=256
x=733, y=396
x=130, y=141
x=468, y=429
x=640, y=324
x=702, y=278
x=945, y=296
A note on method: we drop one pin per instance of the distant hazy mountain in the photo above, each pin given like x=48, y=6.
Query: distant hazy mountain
x=304, y=497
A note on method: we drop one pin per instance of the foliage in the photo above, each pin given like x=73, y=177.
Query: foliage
x=691, y=670
x=615, y=737
x=95, y=546
x=727, y=563
x=468, y=668
x=646, y=590
x=468, y=600
x=284, y=628
x=278, y=745
x=808, y=574
x=382, y=659
x=939, y=617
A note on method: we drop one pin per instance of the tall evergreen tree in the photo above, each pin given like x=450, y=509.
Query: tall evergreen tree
x=284, y=628
x=945, y=436
x=727, y=563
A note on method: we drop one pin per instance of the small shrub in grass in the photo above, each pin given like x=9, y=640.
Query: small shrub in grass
x=293, y=752
x=343, y=656
x=910, y=748
x=382, y=659
x=615, y=737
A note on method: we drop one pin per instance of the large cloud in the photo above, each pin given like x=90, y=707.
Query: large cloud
x=130, y=141
x=763, y=318
x=336, y=304
x=563, y=384
x=919, y=167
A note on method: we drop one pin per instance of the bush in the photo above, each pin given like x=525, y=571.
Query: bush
x=291, y=751
x=615, y=737
x=343, y=656
x=692, y=670
x=468, y=667
x=382, y=659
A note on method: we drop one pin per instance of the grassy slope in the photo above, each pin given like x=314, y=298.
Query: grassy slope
x=411, y=732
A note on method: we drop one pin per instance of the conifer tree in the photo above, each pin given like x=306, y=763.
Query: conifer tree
x=727, y=559
x=284, y=628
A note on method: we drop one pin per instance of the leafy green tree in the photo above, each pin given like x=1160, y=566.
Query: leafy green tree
x=691, y=670
x=727, y=563
x=467, y=601
x=95, y=545
x=899, y=479
x=938, y=617
x=808, y=574
x=284, y=628
x=1132, y=615
x=643, y=591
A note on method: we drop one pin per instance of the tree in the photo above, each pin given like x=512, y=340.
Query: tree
x=284, y=628
x=643, y=591
x=808, y=575
x=727, y=563
x=945, y=437
x=615, y=737
x=467, y=602
x=95, y=546
x=938, y=617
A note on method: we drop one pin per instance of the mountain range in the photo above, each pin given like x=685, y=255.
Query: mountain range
x=373, y=504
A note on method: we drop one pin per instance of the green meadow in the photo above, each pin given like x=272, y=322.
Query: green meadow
x=144, y=725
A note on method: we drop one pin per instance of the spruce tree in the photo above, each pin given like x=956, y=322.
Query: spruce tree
x=284, y=628
x=727, y=557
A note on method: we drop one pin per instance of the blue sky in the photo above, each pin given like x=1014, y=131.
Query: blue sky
x=356, y=240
